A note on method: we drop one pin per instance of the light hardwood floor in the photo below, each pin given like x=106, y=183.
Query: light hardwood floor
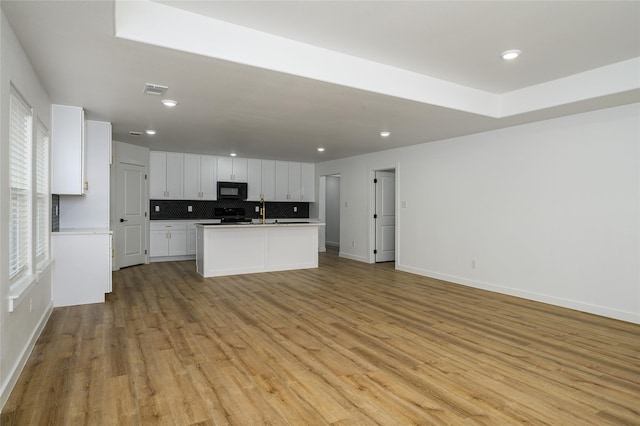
x=346, y=344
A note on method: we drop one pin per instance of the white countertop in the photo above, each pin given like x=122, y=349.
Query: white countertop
x=258, y=225
x=82, y=231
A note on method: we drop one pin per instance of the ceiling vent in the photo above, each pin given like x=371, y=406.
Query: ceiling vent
x=133, y=133
x=154, y=89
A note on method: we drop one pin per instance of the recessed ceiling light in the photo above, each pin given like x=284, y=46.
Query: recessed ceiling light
x=150, y=132
x=509, y=55
x=169, y=103
x=385, y=134
x=233, y=154
x=320, y=149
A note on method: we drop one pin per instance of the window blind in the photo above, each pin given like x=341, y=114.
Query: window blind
x=20, y=159
x=42, y=194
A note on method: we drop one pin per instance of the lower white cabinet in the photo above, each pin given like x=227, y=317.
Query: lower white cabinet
x=174, y=238
x=82, y=268
x=167, y=239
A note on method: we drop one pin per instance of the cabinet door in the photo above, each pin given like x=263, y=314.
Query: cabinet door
x=191, y=241
x=269, y=180
x=191, y=177
x=308, y=187
x=158, y=243
x=225, y=169
x=294, y=182
x=177, y=242
x=240, y=169
x=175, y=176
x=67, y=150
x=254, y=180
x=208, y=177
x=282, y=181
x=157, y=175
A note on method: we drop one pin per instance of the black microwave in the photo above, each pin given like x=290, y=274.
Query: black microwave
x=232, y=191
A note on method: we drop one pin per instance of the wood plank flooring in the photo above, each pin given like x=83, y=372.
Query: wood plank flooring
x=345, y=344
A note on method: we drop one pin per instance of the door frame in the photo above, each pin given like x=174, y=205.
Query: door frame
x=372, y=209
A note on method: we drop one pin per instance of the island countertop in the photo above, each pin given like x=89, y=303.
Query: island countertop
x=258, y=224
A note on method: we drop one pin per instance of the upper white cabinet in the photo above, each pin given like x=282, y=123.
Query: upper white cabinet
x=269, y=180
x=92, y=210
x=67, y=150
x=166, y=176
x=261, y=182
x=232, y=169
x=294, y=181
x=307, y=182
x=254, y=180
x=200, y=178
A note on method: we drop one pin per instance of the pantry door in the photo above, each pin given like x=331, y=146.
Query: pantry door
x=131, y=213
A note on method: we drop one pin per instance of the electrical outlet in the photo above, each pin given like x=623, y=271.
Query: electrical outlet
x=189, y=209
x=295, y=209
x=257, y=209
x=353, y=243
x=157, y=208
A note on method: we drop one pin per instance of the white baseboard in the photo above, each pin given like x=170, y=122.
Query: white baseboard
x=335, y=244
x=604, y=311
x=16, y=370
x=353, y=257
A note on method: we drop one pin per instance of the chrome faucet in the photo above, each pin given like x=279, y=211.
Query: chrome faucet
x=263, y=211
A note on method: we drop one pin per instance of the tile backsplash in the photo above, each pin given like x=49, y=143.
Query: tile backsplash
x=55, y=213
x=179, y=209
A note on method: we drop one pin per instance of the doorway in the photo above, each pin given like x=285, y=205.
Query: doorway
x=384, y=215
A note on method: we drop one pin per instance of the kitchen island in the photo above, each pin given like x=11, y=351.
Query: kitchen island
x=249, y=248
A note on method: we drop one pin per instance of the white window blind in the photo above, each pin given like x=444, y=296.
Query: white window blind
x=42, y=194
x=20, y=159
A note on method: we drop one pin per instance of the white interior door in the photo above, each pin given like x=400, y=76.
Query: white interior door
x=130, y=214
x=385, y=216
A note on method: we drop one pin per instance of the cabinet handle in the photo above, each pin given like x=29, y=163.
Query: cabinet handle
x=86, y=185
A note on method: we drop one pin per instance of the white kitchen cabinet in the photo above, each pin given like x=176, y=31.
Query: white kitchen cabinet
x=92, y=210
x=167, y=239
x=261, y=181
x=82, y=269
x=282, y=181
x=232, y=169
x=200, y=177
x=208, y=177
x=166, y=176
x=67, y=150
x=288, y=181
x=307, y=182
x=269, y=180
x=294, y=182
x=254, y=180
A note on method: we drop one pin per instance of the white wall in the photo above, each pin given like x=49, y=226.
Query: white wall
x=549, y=211
x=18, y=329
x=333, y=211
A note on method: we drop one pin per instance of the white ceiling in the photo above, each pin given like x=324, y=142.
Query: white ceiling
x=259, y=104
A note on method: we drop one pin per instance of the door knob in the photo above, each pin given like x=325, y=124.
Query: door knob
x=123, y=220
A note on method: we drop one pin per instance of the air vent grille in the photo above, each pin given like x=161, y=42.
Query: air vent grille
x=155, y=89
x=133, y=133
